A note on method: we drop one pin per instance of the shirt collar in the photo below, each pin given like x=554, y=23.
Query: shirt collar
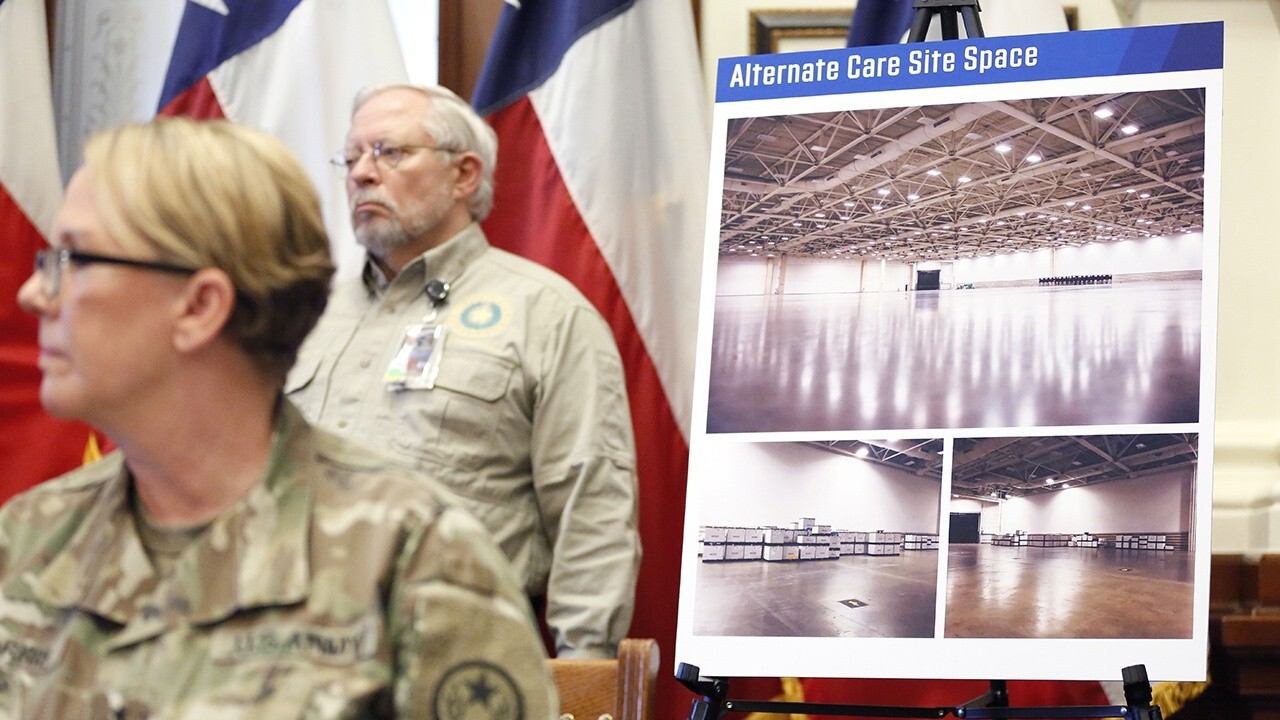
x=445, y=261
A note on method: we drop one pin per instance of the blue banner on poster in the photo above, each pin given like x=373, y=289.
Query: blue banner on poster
x=1016, y=58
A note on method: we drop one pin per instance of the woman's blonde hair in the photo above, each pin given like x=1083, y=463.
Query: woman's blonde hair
x=217, y=194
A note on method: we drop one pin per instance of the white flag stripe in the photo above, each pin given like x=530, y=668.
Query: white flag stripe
x=654, y=146
x=298, y=83
x=28, y=147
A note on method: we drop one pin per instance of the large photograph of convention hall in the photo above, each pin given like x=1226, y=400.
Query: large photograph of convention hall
x=1020, y=263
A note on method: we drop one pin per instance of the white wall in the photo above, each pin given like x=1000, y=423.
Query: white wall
x=1145, y=255
x=1005, y=268
x=1159, y=503
x=758, y=276
x=965, y=505
x=752, y=484
x=749, y=276
x=806, y=275
x=1158, y=254
x=742, y=276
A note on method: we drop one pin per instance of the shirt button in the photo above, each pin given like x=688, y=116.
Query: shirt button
x=365, y=363
x=342, y=424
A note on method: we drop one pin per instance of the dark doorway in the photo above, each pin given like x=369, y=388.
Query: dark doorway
x=928, y=279
x=964, y=528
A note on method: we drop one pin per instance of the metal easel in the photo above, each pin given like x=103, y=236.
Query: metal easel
x=714, y=703
x=946, y=11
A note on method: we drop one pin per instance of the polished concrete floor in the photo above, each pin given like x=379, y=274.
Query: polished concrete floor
x=1025, y=592
x=895, y=596
x=1127, y=353
x=991, y=592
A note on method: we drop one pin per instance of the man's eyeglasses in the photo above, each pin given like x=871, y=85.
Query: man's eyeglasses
x=385, y=155
x=52, y=261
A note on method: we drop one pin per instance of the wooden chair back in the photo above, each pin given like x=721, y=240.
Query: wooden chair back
x=620, y=689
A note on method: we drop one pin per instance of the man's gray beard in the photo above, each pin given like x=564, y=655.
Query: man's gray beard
x=382, y=236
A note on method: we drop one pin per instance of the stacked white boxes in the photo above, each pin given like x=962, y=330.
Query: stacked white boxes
x=1084, y=540
x=1017, y=539
x=713, y=543
x=1048, y=540
x=780, y=545
x=919, y=541
x=731, y=543
x=1143, y=542
x=884, y=543
x=853, y=543
x=821, y=543
x=805, y=540
x=785, y=552
x=752, y=547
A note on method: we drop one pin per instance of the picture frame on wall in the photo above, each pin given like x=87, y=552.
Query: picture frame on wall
x=775, y=31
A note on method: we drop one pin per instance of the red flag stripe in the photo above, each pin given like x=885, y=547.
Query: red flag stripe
x=33, y=445
x=199, y=101
x=536, y=205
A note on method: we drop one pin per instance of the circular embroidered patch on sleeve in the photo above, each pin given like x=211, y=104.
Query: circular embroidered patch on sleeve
x=478, y=690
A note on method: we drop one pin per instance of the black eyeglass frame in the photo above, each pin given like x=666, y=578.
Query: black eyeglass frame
x=51, y=262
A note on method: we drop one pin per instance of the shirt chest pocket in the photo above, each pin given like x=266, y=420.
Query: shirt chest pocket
x=470, y=405
x=47, y=671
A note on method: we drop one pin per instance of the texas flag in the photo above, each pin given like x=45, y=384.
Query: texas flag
x=33, y=446
x=603, y=150
x=291, y=68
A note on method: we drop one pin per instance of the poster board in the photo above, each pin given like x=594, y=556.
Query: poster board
x=954, y=391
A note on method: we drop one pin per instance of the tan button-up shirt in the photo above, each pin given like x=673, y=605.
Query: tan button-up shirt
x=527, y=422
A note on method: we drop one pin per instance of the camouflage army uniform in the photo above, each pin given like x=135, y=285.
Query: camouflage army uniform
x=336, y=588
x=528, y=421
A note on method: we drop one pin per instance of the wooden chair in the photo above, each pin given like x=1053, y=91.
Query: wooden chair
x=621, y=689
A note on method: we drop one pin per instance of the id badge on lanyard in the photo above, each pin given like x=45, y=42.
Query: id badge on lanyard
x=417, y=362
